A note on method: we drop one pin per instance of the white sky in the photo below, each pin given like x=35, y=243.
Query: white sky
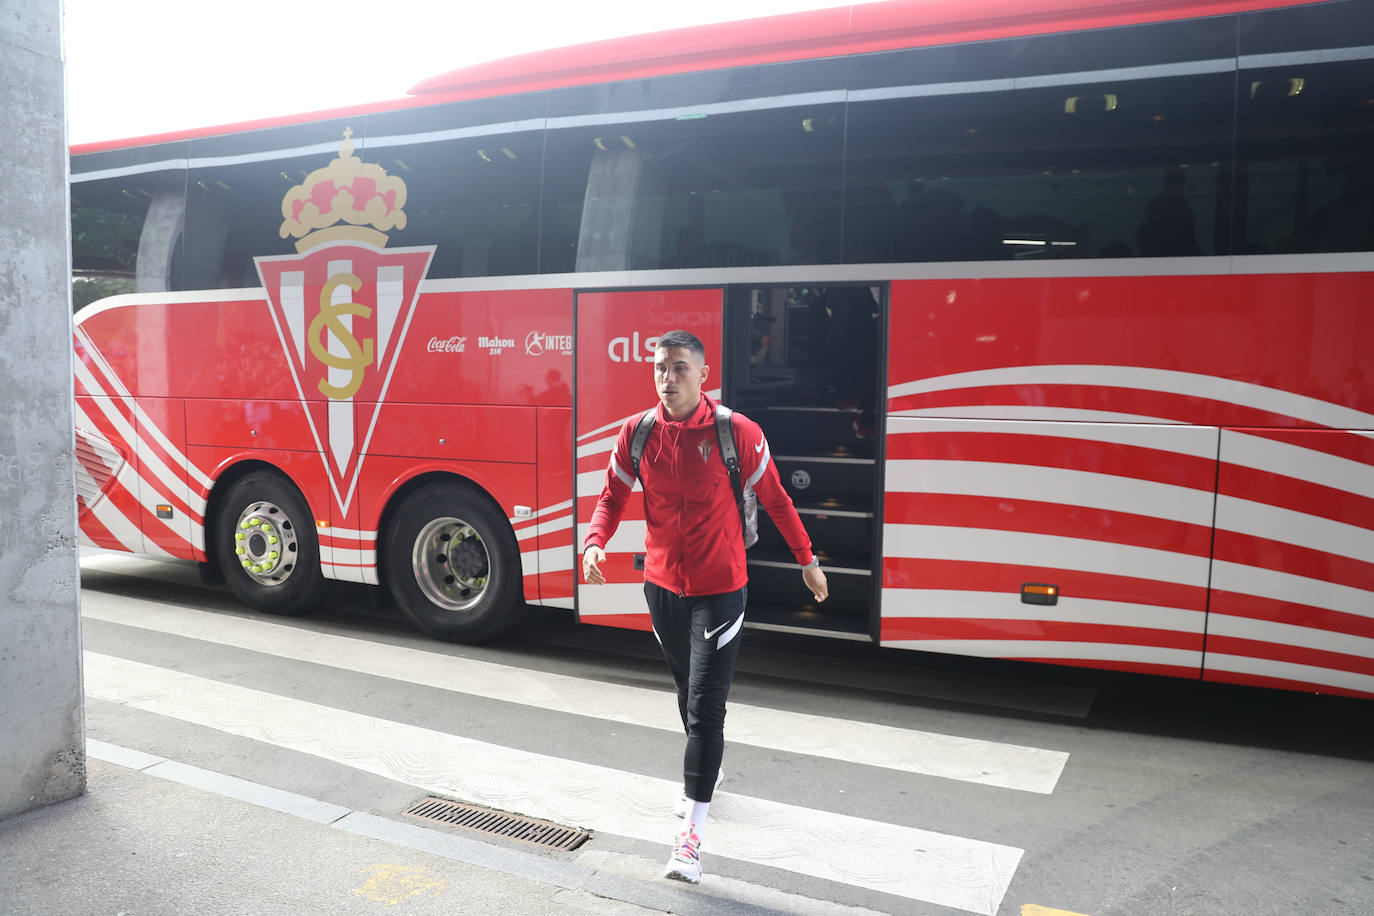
x=138, y=67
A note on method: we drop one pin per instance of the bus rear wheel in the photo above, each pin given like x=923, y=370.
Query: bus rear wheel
x=452, y=564
x=266, y=545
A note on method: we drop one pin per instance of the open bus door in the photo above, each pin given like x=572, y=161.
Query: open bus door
x=805, y=362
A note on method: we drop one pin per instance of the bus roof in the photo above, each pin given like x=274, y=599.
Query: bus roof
x=830, y=32
x=816, y=33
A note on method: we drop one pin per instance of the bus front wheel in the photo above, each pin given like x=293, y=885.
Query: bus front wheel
x=266, y=545
x=452, y=564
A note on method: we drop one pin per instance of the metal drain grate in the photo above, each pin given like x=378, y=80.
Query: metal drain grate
x=498, y=823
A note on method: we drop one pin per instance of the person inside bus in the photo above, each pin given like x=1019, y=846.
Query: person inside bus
x=695, y=573
x=1168, y=229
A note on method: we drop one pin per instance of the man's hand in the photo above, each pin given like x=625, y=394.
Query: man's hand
x=592, y=558
x=813, y=577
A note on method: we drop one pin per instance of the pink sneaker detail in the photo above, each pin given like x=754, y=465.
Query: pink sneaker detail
x=685, y=863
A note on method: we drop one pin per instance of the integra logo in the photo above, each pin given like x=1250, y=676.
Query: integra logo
x=537, y=343
x=447, y=345
x=629, y=350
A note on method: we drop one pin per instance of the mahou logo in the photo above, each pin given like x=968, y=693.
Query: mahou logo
x=342, y=304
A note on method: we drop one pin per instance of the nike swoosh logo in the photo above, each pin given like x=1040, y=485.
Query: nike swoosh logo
x=759, y=447
x=711, y=633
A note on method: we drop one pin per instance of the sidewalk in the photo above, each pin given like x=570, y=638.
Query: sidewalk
x=155, y=837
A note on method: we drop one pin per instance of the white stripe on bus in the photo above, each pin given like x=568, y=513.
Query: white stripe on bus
x=1109, y=492
x=1167, y=381
x=1169, y=438
x=1290, y=588
x=171, y=481
x=1262, y=520
x=1288, y=634
x=1017, y=548
x=120, y=391
x=1054, y=649
x=1286, y=457
x=1291, y=671
x=932, y=603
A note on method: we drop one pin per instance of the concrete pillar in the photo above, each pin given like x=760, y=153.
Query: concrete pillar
x=42, y=740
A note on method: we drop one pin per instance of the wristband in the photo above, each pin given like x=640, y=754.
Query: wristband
x=814, y=564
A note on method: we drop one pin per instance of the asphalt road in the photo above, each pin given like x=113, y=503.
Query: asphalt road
x=856, y=778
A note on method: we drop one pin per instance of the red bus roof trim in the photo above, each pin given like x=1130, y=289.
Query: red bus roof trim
x=816, y=33
x=773, y=39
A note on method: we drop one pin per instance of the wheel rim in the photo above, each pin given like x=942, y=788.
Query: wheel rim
x=265, y=543
x=451, y=564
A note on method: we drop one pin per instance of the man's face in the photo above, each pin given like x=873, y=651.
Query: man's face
x=678, y=376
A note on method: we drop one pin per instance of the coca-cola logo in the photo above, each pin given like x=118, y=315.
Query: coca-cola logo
x=447, y=344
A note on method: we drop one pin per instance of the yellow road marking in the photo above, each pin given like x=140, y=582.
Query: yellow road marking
x=390, y=884
x=1030, y=909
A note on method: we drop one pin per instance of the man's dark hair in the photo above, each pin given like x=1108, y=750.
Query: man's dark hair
x=684, y=339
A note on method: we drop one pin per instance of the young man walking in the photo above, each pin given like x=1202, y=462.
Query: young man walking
x=695, y=578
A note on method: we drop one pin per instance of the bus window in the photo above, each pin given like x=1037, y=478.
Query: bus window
x=1024, y=162
x=1306, y=125
x=472, y=172
x=725, y=169
x=107, y=221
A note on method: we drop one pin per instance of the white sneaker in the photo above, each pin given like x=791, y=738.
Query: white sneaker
x=685, y=862
x=680, y=809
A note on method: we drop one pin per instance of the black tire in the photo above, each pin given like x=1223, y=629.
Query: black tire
x=467, y=593
x=258, y=508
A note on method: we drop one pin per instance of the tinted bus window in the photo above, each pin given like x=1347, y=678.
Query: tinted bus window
x=472, y=172
x=1132, y=161
x=107, y=221
x=126, y=228
x=731, y=168
x=234, y=192
x=475, y=197
x=1306, y=126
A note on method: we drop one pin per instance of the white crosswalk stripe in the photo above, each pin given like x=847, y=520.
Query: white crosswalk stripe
x=918, y=864
x=991, y=763
x=963, y=873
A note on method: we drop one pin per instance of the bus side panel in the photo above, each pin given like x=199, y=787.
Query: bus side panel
x=169, y=511
x=553, y=521
x=1293, y=580
x=1116, y=518
x=1263, y=350
x=106, y=474
x=487, y=347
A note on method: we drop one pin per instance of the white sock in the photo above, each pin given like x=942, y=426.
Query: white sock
x=696, y=815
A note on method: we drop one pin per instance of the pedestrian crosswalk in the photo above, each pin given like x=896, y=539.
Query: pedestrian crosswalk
x=962, y=873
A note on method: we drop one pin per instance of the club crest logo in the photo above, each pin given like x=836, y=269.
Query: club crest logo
x=705, y=449
x=342, y=304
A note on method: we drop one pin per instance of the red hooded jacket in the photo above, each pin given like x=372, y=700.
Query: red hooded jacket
x=694, y=544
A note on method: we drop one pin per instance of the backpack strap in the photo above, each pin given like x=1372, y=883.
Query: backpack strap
x=725, y=435
x=641, y=436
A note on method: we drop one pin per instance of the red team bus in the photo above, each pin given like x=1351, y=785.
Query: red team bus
x=1057, y=316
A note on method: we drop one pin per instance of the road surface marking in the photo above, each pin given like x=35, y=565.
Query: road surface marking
x=958, y=872
x=974, y=760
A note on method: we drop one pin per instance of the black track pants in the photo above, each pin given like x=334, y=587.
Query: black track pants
x=700, y=637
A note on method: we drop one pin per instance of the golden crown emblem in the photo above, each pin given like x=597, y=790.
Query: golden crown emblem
x=348, y=190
